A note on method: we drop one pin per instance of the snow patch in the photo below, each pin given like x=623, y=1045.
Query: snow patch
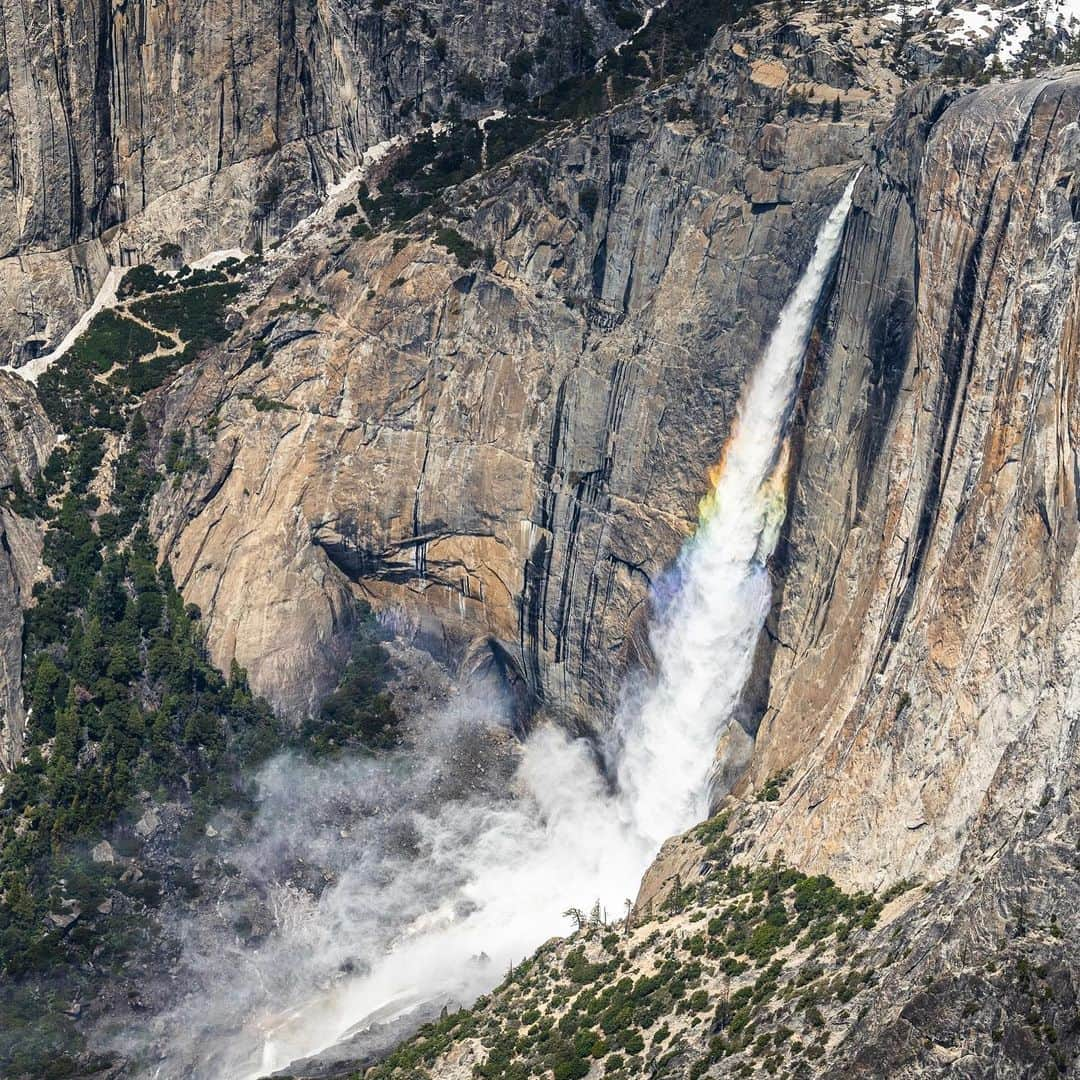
x=1005, y=29
x=372, y=156
x=498, y=114
x=338, y=194
x=216, y=258
x=1010, y=45
x=975, y=26
x=105, y=300
x=602, y=62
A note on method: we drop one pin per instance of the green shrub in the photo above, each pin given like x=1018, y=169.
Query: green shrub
x=197, y=314
x=142, y=279
x=470, y=87
x=359, y=713
x=465, y=251
x=521, y=63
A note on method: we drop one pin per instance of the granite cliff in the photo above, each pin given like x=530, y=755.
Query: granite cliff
x=943, y=475
x=477, y=380
x=26, y=439
x=509, y=455
x=216, y=125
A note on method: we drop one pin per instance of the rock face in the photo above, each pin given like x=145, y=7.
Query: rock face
x=504, y=454
x=213, y=124
x=509, y=458
x=106, y=113
x=924, y=634
x=26, y=438
x=919, y=673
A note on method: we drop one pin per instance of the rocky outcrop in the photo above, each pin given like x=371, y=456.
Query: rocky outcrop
x=495, y=423
x=26, y=438
x=509, y=458
x=212, y=125
x=721, y=972
x=924, y=634
x=20, y=554
x=506, y=459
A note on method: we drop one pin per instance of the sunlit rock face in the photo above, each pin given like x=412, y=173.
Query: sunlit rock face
x=161, y=132
x=26, y=438
x=213, y=124
x=917, y=678
x=925, y=633
x=510, y=457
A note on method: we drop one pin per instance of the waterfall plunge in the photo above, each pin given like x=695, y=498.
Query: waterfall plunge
x=704, y=642
x=494, y=876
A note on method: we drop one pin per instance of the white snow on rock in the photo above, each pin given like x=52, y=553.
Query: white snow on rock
x=602, y=62
x=975, y=26
x=105, y=299
x=498, y=114
x=1010, y=44
x=336, y=195
x=372, y=156
x=216, y=258
x=1001, y=29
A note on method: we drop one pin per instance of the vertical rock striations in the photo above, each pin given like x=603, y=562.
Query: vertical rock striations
x=510, y=457
x=213, y=124
x=26, y=438
x=927, y=630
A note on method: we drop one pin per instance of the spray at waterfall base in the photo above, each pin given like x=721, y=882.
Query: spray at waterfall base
x=436, y=889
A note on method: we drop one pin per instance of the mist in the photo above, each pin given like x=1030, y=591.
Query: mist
x=393, y=885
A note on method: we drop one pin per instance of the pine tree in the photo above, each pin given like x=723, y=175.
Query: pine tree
x=577, y=915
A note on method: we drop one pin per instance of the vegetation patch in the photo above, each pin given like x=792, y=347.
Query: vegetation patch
x=359, y=714
x=675, y=39
x=123, y=701
x=196, y=313
x=73, y=394
x=465, y=251
x=127, y=716
x=734, y=973
x=160, y=324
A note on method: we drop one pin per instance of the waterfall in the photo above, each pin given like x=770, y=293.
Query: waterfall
x=487, y=879
x=705, y=638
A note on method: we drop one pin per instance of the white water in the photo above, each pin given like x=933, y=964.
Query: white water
x=487, y=879
x=704, y=642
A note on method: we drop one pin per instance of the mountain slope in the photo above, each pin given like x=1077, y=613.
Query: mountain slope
x=729, y=971
x=215, y=125
x=480, y=389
